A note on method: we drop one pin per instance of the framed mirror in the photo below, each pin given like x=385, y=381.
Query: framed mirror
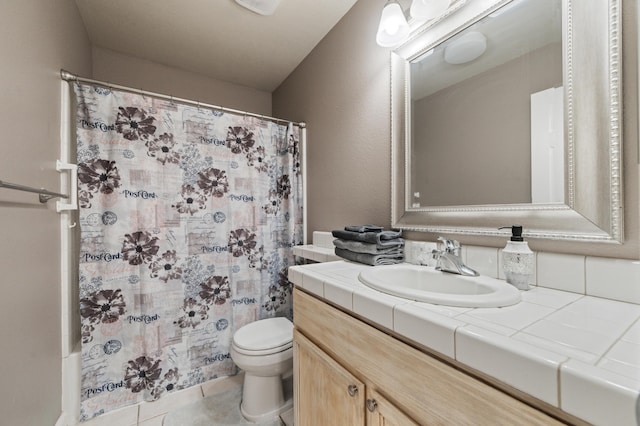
x=509, y=111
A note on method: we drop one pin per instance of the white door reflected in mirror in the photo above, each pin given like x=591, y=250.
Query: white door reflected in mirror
x=547, y=146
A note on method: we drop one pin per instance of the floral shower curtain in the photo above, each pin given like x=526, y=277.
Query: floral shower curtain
x=188, y=217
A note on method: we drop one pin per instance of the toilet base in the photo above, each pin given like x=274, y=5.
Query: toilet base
x=271, y=415
x=263, y=398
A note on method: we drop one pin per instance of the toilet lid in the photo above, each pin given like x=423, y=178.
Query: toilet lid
x=264, y=334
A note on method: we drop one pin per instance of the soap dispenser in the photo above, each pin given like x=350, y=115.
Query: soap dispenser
x=517, y=259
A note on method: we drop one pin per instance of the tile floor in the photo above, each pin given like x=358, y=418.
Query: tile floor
x=214, y=403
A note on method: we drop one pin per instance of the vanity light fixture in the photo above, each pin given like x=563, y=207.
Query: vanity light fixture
x=428, y=9
x=393, y=28
x=261, y=7
x=465, y=49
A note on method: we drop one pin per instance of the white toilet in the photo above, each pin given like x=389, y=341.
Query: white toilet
x=264, y=350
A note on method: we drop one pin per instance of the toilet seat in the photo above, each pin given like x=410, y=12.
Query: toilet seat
x=263, y=337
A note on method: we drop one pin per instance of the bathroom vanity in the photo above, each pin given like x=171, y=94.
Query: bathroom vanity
x=363, y=357
x=350, y=373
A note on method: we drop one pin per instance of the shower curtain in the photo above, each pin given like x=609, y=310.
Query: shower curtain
x=187, y=221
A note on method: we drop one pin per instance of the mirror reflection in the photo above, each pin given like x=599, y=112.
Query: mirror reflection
x=487, y=112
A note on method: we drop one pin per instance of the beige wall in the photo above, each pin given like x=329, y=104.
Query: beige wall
x=341, y=90
x=37, y=39
x=130, y=71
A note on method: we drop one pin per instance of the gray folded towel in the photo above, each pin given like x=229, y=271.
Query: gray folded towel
x=380, y=238
x=364, y=228
x=358, y=247
x=370, y=259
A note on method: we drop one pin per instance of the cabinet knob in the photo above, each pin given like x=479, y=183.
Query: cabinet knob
x=371, y=405
x=352, y=389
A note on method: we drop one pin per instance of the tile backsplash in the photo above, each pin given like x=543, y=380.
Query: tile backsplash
x=561, y=271
x=323, y=239
x=617, y=279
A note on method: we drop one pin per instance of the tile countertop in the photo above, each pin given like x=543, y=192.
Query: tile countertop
x=579, y=353
x=315, y=253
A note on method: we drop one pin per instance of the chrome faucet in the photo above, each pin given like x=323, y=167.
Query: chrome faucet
x=449, y=260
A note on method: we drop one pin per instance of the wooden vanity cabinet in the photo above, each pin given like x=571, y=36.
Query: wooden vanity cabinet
x=382, y=412
x=333, y=396
x=348, y=373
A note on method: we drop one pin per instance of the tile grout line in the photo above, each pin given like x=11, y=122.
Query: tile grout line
x=618, y=340
x=559, y=380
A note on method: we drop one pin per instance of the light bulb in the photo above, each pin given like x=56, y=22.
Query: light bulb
x=393, y=28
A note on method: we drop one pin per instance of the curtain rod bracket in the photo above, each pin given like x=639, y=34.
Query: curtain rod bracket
x=66, y=75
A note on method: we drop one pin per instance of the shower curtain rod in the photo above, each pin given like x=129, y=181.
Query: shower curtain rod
x=67, y=76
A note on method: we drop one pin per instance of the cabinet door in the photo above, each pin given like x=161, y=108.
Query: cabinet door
x=381, y=412
x=324, y=392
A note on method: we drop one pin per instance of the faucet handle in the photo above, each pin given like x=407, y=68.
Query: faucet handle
x=444, y=241
x=450, y=246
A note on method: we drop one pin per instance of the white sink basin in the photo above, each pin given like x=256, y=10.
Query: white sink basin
x=425, y=284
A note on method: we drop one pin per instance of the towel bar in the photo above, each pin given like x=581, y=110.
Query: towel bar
x=44, y=195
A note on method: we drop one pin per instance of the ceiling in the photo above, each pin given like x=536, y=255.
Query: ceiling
x=216, y=38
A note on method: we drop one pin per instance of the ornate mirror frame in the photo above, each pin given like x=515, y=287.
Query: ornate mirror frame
x=593, y=209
